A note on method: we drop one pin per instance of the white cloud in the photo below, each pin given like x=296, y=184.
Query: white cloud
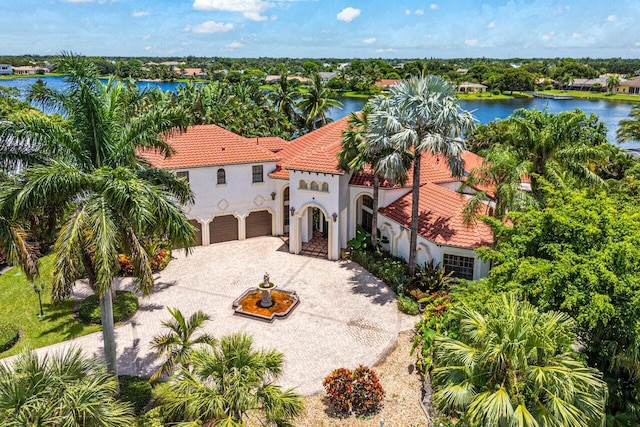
x=348, y=14
x=250, y=9
x=418, y=12
x=235, y=45
x=561, y=9
x=78, y=1
x=471, y=42
x=387, y=50
x=139, y=14
x=369, y=40
x=612, y=18
x=549, y=36
x=576, y=36
x=146, y=37
x=407, y=12
x=147, y=48
x=433, y=6
x=210, y=27
x=491, y=24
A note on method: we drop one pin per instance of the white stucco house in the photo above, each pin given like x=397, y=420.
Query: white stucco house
x=249, y=187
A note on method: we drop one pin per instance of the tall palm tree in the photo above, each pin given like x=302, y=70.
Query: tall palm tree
x=177, y=344
x=514, y=366
x=421, y=115
x=316, y=103
x=629, y=129
x=65, y=390
x=231, y=383
x=109, y=199
x=284, y=98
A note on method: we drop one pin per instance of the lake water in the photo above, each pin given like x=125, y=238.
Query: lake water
x=610, y=113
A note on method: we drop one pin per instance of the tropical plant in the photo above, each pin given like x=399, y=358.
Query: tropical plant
x=358, y=391
x=629, y=129
x=65, y=390
x=315, y=103
x=284, y=98
x=87, y=168
x=421, y=115
x=176, y=345
x=512, y=365
x=580, y=255
x=498, y=183
x=229, y=384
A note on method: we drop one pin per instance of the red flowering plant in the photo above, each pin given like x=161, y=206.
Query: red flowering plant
x=356, y=391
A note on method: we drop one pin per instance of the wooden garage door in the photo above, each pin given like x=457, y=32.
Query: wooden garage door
x=198, y=227
x=258, y=224
x=223, y=229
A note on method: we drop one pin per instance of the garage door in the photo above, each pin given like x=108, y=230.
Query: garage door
x=198, y=227
x=223, y=229
x=258, y=224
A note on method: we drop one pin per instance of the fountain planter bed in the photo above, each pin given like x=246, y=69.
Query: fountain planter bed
x=248, y=304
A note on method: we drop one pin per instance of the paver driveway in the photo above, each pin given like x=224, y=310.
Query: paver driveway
x=345, y=317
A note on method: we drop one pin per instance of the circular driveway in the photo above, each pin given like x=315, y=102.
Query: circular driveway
x=346, y=317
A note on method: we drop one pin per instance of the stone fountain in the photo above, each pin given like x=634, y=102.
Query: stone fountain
x=266, y=302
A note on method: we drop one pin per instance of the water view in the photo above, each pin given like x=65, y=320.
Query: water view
x=610, y=113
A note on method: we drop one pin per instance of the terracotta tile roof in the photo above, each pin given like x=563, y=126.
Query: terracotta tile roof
x=386, y=82
x=271, y=143
x=316, y=151
x=433, y=169
x=440, y=218
x=279, y=173
x=208, y=145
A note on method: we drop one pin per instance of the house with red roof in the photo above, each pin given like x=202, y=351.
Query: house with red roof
x=249, y=187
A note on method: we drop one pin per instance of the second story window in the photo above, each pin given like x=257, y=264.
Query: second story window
x=257, y=173
x=183, y=174
x=222, y=177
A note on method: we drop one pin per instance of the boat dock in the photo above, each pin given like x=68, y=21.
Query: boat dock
x=552, y=96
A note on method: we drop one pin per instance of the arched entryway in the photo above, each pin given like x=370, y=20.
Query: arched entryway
x=364, y=212
x=313, y=232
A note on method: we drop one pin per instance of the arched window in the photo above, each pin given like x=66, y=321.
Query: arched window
x=314, y=186
x=325, y=187
x=222, y=176
x=303, y=184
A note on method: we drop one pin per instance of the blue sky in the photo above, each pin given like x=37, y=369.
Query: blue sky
x=323, y=28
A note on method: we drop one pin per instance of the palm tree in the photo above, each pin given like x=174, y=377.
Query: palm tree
x=66, y=389
x=316, y=103
x=629, y=129
x=230, y=383
x=514, y=366
x=421, y=115
x=498, y=182
x=177, y=345
x=557, y=145
x=109, y=198
x=613, y=81
x=284, y=98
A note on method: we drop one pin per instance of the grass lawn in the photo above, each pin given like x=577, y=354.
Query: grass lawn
x=488, y=96
x=19, y=305
x=30, y=76
x=594, y=95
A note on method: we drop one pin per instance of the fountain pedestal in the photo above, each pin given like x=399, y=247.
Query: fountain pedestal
x=266, y=287
x=266, y=302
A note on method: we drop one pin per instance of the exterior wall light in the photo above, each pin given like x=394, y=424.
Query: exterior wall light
x=292, y=210
x=273, y=195
x=334, y=216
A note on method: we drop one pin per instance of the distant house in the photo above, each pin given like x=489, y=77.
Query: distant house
x=272, y=78
x=194, y=72
x=325, y=76
x=462, y=71
x=5, y=70
x=629, y=87
x=466, y=87
x=386, y=83
x=588, y=84
x=30, y=69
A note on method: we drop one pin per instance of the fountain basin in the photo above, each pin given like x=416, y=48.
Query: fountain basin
x=248, y=304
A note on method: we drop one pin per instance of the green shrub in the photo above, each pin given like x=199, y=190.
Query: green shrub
x=124, y=306
x=496, y=91
x=9, y=336
x=135, y=390
x=152, y=418
x=359, y=391
x=408, y=305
